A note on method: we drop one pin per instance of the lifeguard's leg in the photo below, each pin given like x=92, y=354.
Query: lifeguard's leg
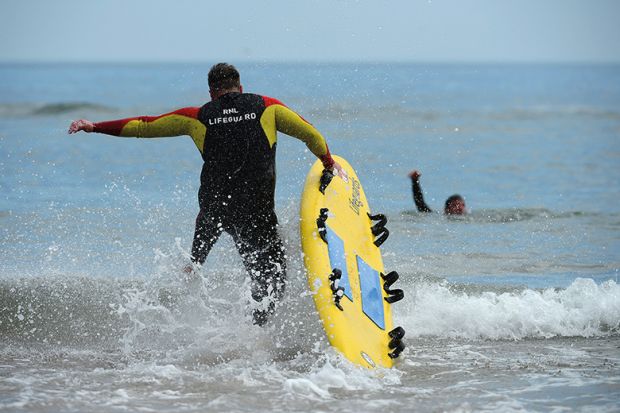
x=208, y=230
x=262, y=251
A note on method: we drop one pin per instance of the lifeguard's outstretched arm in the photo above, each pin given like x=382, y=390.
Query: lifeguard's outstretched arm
x=180, y=122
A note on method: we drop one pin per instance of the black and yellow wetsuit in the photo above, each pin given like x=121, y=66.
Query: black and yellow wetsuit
x=236, y=135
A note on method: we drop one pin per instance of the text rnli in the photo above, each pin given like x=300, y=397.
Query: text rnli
x=233, y=118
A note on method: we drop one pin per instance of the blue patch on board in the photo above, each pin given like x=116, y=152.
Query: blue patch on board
x=337, y=259
x=372, y=299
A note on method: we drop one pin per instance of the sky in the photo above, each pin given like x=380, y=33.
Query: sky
x=310, y=30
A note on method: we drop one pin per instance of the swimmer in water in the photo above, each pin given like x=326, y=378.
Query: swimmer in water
x=455, y=204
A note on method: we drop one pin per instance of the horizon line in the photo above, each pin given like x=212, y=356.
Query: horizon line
x=312, y=61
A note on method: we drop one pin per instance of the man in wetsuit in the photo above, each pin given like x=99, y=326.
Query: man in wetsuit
x=455, y=204
x=236, y=135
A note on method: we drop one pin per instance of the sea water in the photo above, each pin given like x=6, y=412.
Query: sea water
x=514, y=307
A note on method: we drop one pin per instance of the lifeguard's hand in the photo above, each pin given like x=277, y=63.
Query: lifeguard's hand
x=337, y=170
x=81, y=125
x=415, y=175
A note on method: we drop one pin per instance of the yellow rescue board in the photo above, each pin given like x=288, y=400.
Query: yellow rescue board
x=360, y=330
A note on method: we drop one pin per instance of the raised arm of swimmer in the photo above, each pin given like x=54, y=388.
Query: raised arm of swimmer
x=418, y=197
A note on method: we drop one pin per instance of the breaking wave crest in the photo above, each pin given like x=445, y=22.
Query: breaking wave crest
x=584, y=309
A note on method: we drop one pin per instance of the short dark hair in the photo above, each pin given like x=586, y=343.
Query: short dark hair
x=452, y=199
x=223, y=76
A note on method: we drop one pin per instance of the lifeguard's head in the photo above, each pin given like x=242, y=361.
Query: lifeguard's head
x=455, y=205
x=223, y=78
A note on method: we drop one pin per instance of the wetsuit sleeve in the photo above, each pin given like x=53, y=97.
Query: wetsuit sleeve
x=180, y=122
x=290, y=123
x=418, y=197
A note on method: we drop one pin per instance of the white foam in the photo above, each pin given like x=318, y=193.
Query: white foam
x=583, y=309
x=332, y=372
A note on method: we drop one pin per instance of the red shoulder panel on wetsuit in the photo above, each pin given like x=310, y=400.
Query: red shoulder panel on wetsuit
x=191, y=112
x=271, y=101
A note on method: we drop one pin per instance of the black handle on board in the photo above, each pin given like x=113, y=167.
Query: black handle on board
x=326, y=178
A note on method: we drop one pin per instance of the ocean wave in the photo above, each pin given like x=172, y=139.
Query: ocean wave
x=18, y=110
x=584, y=309
x=69, y=107
x=349, y=111
x=504, y=215
x=518, y=214
x=136, y=315
x=544, y=112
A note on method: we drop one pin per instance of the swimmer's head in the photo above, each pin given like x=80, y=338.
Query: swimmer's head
x=455, y=205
